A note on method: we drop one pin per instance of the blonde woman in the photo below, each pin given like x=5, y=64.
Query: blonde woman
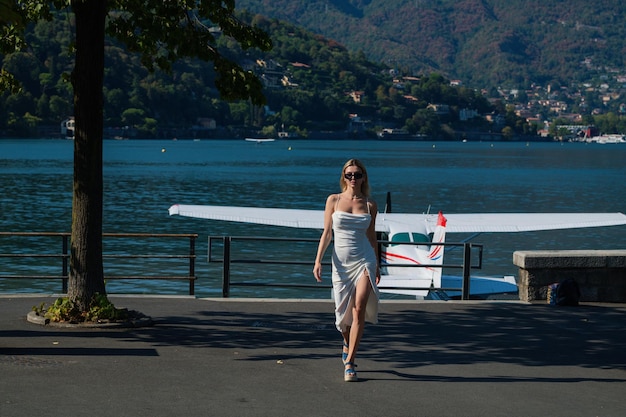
x=350, y=217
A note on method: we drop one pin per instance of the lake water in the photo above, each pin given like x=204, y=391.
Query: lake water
x=144, y=178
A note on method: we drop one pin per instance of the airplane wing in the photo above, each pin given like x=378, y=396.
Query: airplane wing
x=507, y=222
x=304, y=219
x=457, y=223
x=526, y=222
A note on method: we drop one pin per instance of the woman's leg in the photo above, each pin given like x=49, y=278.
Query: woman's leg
x=346, y=343
x=355, y=331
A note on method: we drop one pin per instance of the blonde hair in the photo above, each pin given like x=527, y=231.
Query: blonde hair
x=365, y=184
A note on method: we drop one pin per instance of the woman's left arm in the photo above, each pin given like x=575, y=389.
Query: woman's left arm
x=371, y=236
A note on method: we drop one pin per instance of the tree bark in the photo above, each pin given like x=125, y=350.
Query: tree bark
x=86, y=276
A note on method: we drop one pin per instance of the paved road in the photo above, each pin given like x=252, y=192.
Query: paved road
x=282, y=358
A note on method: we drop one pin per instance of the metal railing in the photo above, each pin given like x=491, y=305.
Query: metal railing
x=63, y=257
x=228, y=261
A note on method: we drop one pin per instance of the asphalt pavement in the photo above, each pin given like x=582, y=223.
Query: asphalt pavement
x=234, y=357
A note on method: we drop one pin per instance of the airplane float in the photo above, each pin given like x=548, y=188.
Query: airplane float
x=426, y=281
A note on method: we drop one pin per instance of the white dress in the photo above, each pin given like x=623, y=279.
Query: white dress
x=352, y=255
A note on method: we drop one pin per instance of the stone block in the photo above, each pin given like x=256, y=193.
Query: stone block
x=601, y=274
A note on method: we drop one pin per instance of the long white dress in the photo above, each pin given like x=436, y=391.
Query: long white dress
x=352, y=255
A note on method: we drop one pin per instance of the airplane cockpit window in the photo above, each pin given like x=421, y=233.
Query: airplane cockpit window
x=401, y=237
x=405, y=237
x=419, y=238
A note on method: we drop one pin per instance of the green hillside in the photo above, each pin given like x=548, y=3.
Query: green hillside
x=484, y=43
x=311, y=84
x=388, y=62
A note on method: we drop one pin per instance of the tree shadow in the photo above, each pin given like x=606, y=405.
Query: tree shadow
x=408, y=336
x=429, y=334
x=529, y=335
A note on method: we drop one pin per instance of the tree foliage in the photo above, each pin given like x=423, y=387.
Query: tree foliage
x=161, y=32
x=320, y=71
x=174, y=30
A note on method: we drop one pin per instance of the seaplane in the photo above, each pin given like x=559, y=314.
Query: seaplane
x=412, y=239
x=260, y=140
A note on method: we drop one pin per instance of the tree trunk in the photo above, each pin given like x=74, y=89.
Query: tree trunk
x=86, y=276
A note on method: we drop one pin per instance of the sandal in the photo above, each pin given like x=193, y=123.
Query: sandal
x=349, y=373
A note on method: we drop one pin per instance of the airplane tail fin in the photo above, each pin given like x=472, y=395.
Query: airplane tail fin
x=435, y=255
x=388, y=203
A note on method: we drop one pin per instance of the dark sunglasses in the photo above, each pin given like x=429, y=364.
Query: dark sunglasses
x=355, y=175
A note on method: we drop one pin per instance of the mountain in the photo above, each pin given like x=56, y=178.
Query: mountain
x=483, y=43
x=312, y=84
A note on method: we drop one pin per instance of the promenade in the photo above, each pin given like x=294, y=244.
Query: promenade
x=234, y=357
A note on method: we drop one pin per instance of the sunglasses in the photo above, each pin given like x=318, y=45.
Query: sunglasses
x=351, y=175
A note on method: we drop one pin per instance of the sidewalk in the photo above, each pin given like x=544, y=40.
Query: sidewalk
x=233, y=357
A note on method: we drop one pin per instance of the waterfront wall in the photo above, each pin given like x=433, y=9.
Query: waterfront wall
x=600, y=274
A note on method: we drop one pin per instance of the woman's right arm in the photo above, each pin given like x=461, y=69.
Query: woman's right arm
x=326, y=237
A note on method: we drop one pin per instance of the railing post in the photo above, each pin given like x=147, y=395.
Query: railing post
x=226, y=269
x=192, y=265
x=64, y=270
x=467, y=263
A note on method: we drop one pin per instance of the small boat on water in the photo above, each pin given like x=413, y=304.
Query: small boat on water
x=607, y=139
x=67, y=128
x=393, y=134
x=260, y=140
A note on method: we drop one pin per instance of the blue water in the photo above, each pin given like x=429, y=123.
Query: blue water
x=143, y=178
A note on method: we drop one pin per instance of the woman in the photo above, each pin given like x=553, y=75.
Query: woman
x=351, y=217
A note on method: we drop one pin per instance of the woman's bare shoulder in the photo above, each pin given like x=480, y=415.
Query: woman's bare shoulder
x=331, y=200
x=373, y=205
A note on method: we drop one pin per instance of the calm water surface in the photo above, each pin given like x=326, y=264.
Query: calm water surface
x=143, y=178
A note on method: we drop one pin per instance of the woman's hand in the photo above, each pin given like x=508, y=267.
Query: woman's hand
x=317, y=271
